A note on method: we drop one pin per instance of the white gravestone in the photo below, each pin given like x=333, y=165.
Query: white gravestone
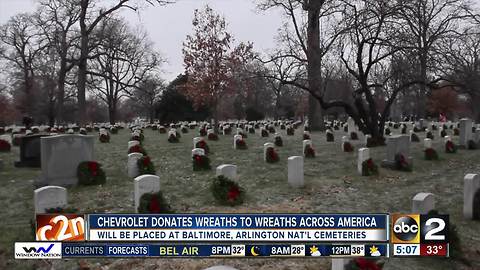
x=471, y=186
x=351, y=125
x=227, y=170
x=368, y=136
x=235, y=139
x=465, y=132
x=49, y=197
x=132, y=144
x=363, y=155
x=295, y=171
x=196, y=140
x=427, y=143
x=265, y=147
x=60, y=157
x=198, y=151
x=422, y=203
x=132, y=167
x=398, y=144
x=146, y=183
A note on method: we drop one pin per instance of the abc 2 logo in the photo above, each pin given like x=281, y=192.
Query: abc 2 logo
x=416, y=229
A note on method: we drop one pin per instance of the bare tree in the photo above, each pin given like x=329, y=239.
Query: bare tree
x=124, y=58
x=22, y=46
x=57, y=19
x=147, y=94
x=426, y=24
x=90, y=16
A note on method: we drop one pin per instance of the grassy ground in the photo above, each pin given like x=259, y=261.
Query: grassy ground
x=332, y=186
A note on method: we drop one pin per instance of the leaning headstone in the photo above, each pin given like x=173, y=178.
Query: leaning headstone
x=399, y=144
x=471, y=196
x=363, y=155
x=227, y=170
x=49, y=197
x=146, y=183
x=60, y=157
x=295, y=171
x=465, y=132
x=132, y=167
x=422, y=203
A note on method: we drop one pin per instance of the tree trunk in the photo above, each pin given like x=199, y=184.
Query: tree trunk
x=112, y=111
x=60, y=93
x=82, y=65
x=314, y=57
x=422, y=99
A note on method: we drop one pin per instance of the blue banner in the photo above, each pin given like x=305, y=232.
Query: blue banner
x=238, y=221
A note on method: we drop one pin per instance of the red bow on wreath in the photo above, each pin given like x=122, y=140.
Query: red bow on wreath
x=154, y=206
x=233, y=193
x=146, y=161
x=93, y=168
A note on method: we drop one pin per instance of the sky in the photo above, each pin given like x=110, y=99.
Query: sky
x=169, y=25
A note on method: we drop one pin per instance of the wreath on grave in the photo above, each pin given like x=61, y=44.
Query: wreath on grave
x=104, y=138
x=172, y=138
x=90, y=173
x=201, y=162
x=402, y=164
x=330, y=137
x=272, y=155
x=162, y=130
x=369, y=168
x=154, y=203
x=353, y=136
x=364, y=264
x=203, y=144
x=450, y=147
x=83, y=132
x=290, y=131
x=347, y=147
x=251, y=130
x=282, y=127
x=414, y=138
x=429, y=135
x=443, y=133
x=145, y=166
x=472, y=145
x=416, y=129
x=5, y=146
x=184, y=130
x=456, y=132
x=243, y=134
x=431, y=154
x=226, y=191
x=241, y=144
x=345, y=128
x=137, y=149
x=271, y=130
x=212, y=136
x=306, y=136
x=309, y=152
x=387, y=131
x=203, y=132
x=61, y=210
x=113, y=130
x=264, y=133
x=404, y=130
x=178, y=134
x=278, y=141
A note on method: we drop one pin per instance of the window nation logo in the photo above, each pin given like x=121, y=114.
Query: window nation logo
x=38, y=250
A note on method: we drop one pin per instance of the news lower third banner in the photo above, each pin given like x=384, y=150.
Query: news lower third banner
x=84, y=249
x=238, y=227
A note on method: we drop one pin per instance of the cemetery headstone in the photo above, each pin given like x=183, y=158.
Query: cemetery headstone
x=471, y=196
x=49, y=197
x=60, y=156
x=423, y=203
x=398, y=144
x=363, y=155
x=295, y=171
x=30, y=151
x=465, y=132
x=227, y=170
x=132, y=167
x=146, y=183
